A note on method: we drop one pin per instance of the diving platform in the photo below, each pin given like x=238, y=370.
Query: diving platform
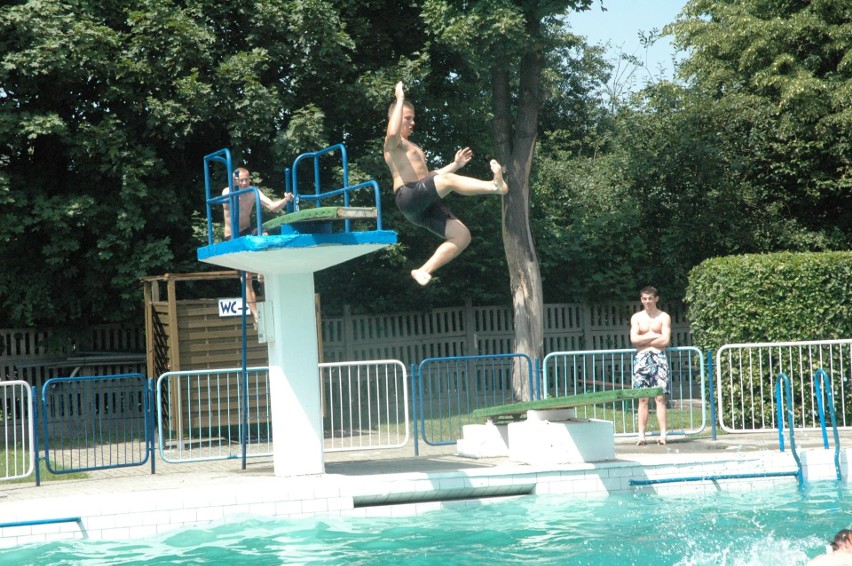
x=322, y=228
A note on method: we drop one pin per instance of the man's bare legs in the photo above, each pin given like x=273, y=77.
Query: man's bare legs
x=447, y=183
x=643, y=419
x=458, y=238
x=251, y=298
x=457, y=234
x=661, y=417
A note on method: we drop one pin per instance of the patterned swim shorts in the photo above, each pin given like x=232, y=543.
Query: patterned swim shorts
x=651, y=369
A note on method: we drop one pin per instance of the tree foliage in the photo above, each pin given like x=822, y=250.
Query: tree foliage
x=107, y=108
x=785, y=69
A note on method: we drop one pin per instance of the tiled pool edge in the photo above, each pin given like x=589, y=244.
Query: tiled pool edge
x=150, y=512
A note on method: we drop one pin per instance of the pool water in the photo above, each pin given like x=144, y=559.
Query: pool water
x=784, y=525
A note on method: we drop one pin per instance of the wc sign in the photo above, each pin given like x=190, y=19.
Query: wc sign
x=232, y=307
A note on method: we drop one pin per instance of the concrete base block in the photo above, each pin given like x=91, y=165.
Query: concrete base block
x=552, y=415
x=818, y=464
x=561, y=442
x=484, y=441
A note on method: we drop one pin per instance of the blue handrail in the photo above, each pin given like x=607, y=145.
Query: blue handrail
x=291, y=181
x=820, y=378
x=36, y=522
x=782, y=398
x=714, y=477
x=222, y=156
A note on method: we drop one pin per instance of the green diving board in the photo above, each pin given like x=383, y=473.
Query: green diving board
x=321, y=214
x=596, y=398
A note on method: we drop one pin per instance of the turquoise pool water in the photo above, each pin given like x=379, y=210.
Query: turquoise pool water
x=780, y=526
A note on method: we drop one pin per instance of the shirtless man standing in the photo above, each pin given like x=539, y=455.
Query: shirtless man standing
x=650, y=333
x=242, y=181
x=419, y=193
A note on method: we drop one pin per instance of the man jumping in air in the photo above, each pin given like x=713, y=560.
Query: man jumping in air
x=419, y=193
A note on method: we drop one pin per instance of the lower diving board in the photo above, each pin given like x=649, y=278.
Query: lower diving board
x=317, y=219
x=551, y=433
x=569, y=402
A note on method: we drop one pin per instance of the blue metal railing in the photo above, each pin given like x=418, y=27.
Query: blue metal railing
x=821, y=378
x=291, y=176
x=223, y=157
x=96, y=423
x=590, y=371
x=449, y=389
x=36, y=522
x=784, y=398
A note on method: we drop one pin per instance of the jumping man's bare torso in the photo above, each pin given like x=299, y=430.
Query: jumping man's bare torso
x=407, y=163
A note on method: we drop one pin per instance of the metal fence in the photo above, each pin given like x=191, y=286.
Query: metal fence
x=199, y=414
x=576, y=373
x=18, y=449
x=98, y=422
x=365, y=405
x=746, y=375
x=95, y=422
x=447, y=390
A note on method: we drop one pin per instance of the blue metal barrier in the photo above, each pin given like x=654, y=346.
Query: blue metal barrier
x=291, y=176
x=36, y=522
x=590, y=371
x=96, y=423
x=820, y=378
x=783, y=398
x=449, y=389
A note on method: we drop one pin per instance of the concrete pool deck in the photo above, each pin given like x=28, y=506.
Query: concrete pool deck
x=130, y=503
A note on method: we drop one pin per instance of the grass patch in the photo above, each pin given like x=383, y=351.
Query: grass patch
x=46, y=475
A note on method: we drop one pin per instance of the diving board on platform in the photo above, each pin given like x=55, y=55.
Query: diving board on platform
x=570, y=401
x=320, y=214
x=551, y=433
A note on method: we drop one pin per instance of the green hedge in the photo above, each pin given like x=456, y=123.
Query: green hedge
x=777, y=297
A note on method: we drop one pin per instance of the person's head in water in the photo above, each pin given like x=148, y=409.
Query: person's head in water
x=842, y=540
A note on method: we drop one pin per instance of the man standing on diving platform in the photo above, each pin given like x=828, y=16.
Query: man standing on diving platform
x=419, y=193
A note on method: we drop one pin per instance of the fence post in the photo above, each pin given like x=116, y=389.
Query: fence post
x=348, y=353
x=471, y=346
x=34, y=414
x=151, y=417
x=711, y=381
x=586, y=324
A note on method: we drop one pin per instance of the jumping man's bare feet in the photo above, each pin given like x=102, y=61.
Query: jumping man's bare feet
x=421, y=276
x=499, y=182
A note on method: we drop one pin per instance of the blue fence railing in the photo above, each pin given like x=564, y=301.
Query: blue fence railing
x=101, y=422
x=96, y=422
x=447, y=390
x=590, y=371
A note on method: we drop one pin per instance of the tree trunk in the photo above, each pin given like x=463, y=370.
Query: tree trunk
x=515, y=150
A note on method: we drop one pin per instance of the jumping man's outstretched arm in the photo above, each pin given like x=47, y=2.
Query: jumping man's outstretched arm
x=393, y=137
x=463, y=156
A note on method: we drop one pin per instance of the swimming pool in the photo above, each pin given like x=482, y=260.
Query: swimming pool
x=786, y=525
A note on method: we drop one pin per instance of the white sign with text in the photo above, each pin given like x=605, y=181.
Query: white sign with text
x=232, y=307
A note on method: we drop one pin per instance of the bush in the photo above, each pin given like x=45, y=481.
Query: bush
x=779, y=297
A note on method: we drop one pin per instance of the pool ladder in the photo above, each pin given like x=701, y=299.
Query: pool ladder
x=820, y=378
